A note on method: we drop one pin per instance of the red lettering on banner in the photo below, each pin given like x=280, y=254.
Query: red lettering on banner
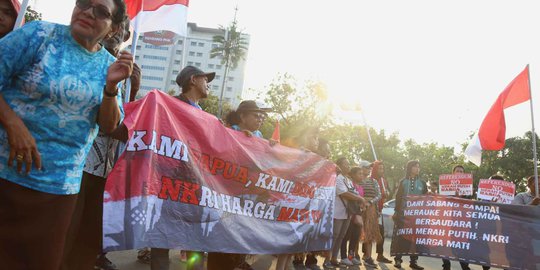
x=289, y=214
x=242, y=175
x=218, y=164
x=189, y=193
x=171, y=188
x=303, y=190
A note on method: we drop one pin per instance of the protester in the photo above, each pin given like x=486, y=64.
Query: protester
x=356, y=226
x=377, y=173
x=57, y=84
x=8, y=15
x=85, y=234
x=529, y=197
x=410, y=185
x=344, y=197
x=194, y=84
x=370, y=216
x=458, y=169
x=248, y=117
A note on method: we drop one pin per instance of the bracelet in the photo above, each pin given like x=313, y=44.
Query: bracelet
x=109, y=94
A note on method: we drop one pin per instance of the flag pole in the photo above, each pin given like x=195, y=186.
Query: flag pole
x=535, y=159
x=133, y=52
x=369, y=135
x=20, y=16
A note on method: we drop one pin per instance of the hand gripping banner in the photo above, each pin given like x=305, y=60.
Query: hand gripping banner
x=485, y=233
x=187, y=182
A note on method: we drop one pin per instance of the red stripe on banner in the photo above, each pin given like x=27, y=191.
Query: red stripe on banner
x=136, y=6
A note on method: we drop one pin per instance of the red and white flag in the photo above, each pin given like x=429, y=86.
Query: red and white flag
x=158, y=15
x=492, y=132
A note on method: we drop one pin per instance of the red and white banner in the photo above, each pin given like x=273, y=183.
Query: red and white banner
x=187, y=182
x=456, y=184
x=157, y=15
x=496, y=191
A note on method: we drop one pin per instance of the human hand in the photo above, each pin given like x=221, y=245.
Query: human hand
x=273, y=142
x=248, y=133
x=22, y=146
x=121, y=69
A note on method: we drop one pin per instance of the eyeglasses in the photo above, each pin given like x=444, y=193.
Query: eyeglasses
x=100, y=12
x=261, y=116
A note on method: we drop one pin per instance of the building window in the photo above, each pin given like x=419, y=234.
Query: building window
x=178, y=52
x=177, y=62
x=201, y=44
x=210, y=65
x=179, y=42
x=173, y=82
x=154, y=47
x=214, y=46
x=155, y=57
x=218, y=66
x=231, y=79
x=193, y=43
x=147, y=88
x=138, y=47
x=215, y=87
x=218, y=77
x=197, y=64
x=228, y=99
x=199, y=54
x=174, y=72
x=190, y=63
x=136, y=57
x=152, y=78
x=191, y=53
x=147, y=67
x=229, y=89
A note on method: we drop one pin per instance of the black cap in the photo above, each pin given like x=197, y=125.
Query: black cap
x=188, y=71
x=251, y=106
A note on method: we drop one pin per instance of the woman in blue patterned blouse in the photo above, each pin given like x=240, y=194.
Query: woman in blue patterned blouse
x=57, y=85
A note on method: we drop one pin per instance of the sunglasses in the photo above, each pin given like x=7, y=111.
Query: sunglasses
x=261, y=116
x=100, y=12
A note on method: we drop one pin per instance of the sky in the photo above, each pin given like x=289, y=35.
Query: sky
x=427, y=69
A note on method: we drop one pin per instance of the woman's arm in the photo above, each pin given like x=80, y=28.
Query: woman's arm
x=109, y=113
x=22, y=145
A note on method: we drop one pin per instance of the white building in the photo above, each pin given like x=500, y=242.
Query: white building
x=161, y=55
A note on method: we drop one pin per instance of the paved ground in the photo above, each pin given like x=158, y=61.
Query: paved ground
x=127, y=260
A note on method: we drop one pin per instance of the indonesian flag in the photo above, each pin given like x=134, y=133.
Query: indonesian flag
x=492, y=132
x=276, y=135
x=158, y=15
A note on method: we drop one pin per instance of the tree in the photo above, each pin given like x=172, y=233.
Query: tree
x=231, y=48
x=32, y=15
x=210, y=105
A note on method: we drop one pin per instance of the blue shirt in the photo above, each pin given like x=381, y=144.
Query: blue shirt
x=55, y=86
x=255, y=133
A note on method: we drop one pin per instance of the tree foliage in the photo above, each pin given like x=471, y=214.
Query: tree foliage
x=32, y=15
x=303, y=105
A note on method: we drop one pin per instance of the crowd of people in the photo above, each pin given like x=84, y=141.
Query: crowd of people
x=61, y=131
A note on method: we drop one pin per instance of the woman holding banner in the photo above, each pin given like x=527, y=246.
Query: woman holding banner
x=410, y=185
x=57, y=84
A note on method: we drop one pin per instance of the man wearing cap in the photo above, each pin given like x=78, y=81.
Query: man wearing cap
x=8, y=15
x=194, y=84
